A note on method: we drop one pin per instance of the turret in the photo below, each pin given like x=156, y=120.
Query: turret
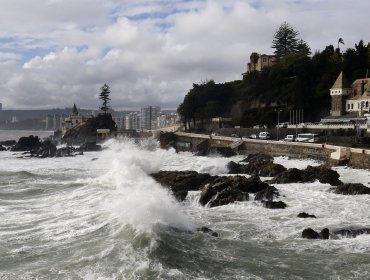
x=338, y=92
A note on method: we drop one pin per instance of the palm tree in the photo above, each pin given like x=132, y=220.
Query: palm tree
x=340, y=41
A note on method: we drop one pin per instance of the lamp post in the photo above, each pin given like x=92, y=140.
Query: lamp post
x=277, y=126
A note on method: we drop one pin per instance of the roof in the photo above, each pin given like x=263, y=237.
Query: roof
x=341, y=82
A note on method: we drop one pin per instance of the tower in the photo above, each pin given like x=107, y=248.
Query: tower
x=338, y=92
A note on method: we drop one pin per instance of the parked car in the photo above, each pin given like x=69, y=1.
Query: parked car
x=289, y=138
x=264, y=135
x=282, y=125
x=259, y=126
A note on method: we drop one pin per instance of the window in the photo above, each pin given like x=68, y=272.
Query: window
x=367, y=104
x=352, y=106
x=348, y=106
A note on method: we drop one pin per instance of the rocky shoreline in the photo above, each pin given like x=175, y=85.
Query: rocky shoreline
x=222, y=190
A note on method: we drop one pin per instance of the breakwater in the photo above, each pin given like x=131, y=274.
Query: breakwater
x=356, y=158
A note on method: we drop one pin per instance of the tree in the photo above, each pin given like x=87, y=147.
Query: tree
x=104, y=96
x=285, y=40
x=254, y=59
x=303, y=47
x=340, y=41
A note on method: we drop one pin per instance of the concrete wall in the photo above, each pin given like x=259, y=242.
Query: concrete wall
x=356, y=158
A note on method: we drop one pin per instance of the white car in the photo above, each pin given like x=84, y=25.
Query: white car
x=289, y=138
x=264, y=135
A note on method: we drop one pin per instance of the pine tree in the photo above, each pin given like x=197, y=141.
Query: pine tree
x=285, y=40
x=104, y=96
x=303, y=47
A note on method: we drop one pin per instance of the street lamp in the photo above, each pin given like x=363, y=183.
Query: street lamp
x=277, y=126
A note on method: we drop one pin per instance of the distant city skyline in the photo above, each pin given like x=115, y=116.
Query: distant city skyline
x=56, y=53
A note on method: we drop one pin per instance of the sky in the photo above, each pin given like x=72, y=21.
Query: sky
x=56, y=53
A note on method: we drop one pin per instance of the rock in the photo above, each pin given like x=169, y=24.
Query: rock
x=208, y=231
x=167, y=140
x=274, y=204
x=352, y=232
x=90, y=147
x=257, y=167
x=228, y=195
x=352, y=189
x=252, y=184
x=27, y=143
x=267, y=194
x=180, y=182
x=310, y=174
x=292, y=175
x=68, y=152
x=46, y=149
x=8, y=143
x=86, y=132
x=2, y=148
x=309, y=233
x=324, y=234
x=258, y=157
x=305, y=215
x=219, y=189
x=323, y=174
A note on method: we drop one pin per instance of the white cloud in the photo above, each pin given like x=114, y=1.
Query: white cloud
x=149, y=51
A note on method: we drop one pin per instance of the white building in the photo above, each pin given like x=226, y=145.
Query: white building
x=132, y=121
x=149, y=117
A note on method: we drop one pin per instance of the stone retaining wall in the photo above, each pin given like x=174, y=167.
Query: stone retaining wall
x=356, y=158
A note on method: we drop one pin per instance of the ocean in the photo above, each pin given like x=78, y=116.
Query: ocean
x=101, y=216
x=16, y=134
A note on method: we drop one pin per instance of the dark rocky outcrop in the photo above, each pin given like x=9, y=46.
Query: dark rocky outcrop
x=27, y=144
x=305, y=215
x=8, y=143
x=310, y=174
x=257, y=167
x=309, y=233
x=274, y=204
x=208, y=231
x=228, y=195
x=221, y=190
x=90, y=147
x=46, y=149
x=68, y=152
x=352, y=233
x=257, y=157
x=180, y=182
x=352, y=189
x=2, y=148
x=267, y=194
x=215, y=190
x=167, y=140
x=86, y=132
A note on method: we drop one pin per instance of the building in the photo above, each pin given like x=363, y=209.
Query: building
x=264, y=60
x=53, y=122
x=120, y=122
x=74, y=119
x=149, y=117
x=349, y=103
x=132, y=121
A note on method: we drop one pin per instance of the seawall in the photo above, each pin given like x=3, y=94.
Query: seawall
x=356, y=158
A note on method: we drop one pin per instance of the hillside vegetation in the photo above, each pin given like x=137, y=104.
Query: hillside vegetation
x=297, y=81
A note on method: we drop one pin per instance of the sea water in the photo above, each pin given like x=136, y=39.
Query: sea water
x=101, y=216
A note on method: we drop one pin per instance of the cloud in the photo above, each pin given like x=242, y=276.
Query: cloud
x=55, y=53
